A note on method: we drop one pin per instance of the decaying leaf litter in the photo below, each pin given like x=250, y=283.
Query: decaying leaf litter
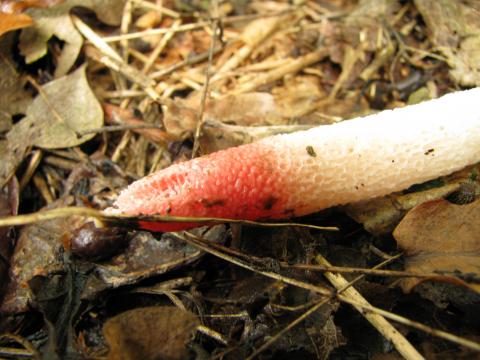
x=95, y=97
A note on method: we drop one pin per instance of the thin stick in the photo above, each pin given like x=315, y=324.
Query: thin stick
x=351, y=270
x=205, y=246
x=402, y=345
x=113, y=128
x=200, y=119
x=309, y=312
x=276, y=74
x=403, y=320
x=131, y=221
x=194, y=26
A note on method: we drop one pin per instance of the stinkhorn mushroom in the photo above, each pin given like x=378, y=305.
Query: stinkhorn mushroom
x=297, y=174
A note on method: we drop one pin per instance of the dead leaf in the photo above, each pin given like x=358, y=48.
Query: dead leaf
x=297, y=97
x=454, y=28
x=380, y=215
x=63, y=108
x=144, y=257
x=55, y=21
x=441, y=237
x=115, y=115
x=9, y=201
x=38, y=246
x=218, y=136
x=363, y=22
x=9, y=22
x=255, y=108
x=11, y=17
x=13, y=96
x=67, y=107
x=18, y=6
x=150, y=333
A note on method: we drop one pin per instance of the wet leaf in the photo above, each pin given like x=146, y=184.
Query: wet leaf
x=64, y=107
x=441, y=237
x=144, y=257
x=57, y=297
x=38, y=247
x=150, y=333
x=55, y=21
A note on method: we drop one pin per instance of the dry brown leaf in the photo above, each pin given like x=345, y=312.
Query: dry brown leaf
x=9, y=201
x=63, y=108
x=55, y=21
x=66, y=108
x=218, y=136
x=16, y=6
x=181, y=117
x=9, y=22
x=13, y=97
x=381, y=215
x=296, y=97
x=454, y=28
x=116, y=115
x=11, y=17
x=150, y=333
x=363, y=23
x=441, y=237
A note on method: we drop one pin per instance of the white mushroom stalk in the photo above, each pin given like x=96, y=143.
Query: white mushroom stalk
x=296, y=174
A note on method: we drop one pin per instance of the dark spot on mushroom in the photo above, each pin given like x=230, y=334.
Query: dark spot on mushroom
x=311, y=151
x=269, y=202
x=429, y=151
x=393, y=161
x=212, y=203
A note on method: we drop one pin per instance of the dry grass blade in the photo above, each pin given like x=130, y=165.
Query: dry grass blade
x=132, y=221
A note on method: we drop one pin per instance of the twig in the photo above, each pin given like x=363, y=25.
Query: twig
x=309, y=312
x=131, y=221
x=200, y=119
x=113, y=128
x=194, y=26
x=189, y=61
x=276, y=74
x=361, y=304
x=402, y=345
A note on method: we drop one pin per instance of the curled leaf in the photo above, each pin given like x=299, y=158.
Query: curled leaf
x=55, y=21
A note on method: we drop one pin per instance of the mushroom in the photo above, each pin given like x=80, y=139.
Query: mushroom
x=297, y=174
